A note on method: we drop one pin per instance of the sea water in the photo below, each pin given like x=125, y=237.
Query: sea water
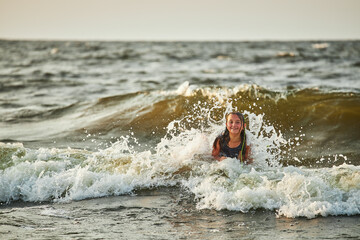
x=126, y=129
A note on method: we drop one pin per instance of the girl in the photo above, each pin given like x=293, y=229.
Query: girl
x=232, y=143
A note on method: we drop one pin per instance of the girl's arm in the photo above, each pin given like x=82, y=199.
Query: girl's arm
x=216, y=151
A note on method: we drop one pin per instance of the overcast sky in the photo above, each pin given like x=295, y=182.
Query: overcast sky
x=180, y=19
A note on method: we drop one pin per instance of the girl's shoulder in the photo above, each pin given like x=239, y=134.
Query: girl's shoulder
x=219, y=139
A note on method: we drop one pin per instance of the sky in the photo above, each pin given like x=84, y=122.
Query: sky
x=186, y=20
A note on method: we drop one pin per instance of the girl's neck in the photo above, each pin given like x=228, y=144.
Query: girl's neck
x=235, y=137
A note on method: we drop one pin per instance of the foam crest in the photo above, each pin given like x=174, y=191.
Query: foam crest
x=65, y=175
x=222, y=95
x=292, y=191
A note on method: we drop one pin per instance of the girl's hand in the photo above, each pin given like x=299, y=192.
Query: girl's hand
x=219, y=159
x=249, y=161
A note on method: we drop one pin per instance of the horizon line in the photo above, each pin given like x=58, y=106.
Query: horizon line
x=179, y=40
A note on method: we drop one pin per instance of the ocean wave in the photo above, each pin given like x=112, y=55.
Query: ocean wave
x=36, y=113
x=63, y=175
x=182, y=158
x=317, y=124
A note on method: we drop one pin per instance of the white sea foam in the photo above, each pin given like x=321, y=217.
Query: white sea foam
x=221, y=95
x=292, y=191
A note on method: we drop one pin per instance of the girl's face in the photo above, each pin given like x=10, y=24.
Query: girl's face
x=234, y=124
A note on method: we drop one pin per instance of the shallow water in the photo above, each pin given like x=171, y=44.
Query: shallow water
x=90, y=131
x=161, y=214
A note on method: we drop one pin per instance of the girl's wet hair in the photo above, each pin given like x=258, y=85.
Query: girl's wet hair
x=224, y=138
x=240, y=115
